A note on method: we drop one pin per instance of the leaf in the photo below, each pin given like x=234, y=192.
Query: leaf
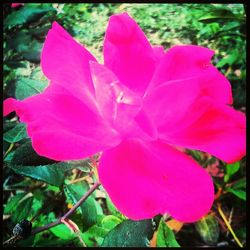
x=93, y=235
x=13, y=203
x=165, y=236
x=26, y=45
x=16, y=134
x=229, y=59
x=239, y=193
x=231, y=169
x=74, y=193
x=63, y=232
x=25, y=15
x=110, y=221
x=130, y=233
x=23, y=209
x=52, y=174
x=26, y=87
x=239, y=184
x=26, y=155
x=208, y=229
x=219, y=14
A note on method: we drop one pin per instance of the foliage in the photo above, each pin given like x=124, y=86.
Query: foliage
x=41, y=190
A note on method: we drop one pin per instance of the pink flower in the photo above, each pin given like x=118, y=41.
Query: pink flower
x=14, y=5
x=136, y=108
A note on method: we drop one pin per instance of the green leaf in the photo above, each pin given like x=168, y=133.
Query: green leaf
x=16, y=134
x=74, y=193
x=26, y=45
x=110, y=221
x=208, y=229
x=165, y=236
x=231, y=169
x=94, y=235
x=229, y=59
x=53, y=174
x=239, y=193
x=219, y=14
x=26, y=155
x=130, y=233
x=239, y=184
x=23, y=209
x=26, y=87
x=13, y=203
x=63, y=232
x=25, y=15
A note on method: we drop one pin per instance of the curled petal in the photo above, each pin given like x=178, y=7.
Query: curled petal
x=185, y=62
x=128, y=53
x=66, y=62
x=211, y=127
x=61, y=126
x=145, y=179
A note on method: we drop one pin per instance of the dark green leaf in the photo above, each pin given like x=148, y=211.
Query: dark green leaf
x=74, y=193
x=239, y=193
x=13, y=203
x=230, y=59
x=239, y=184
x=25, y=15
x=25, y=155
x=219, y=14
x=130, y=234
x=93, y=235
x=22, y=210
x=231, y=169
x=208, y=229
x=26, y=45
x=165, y=236
x=52, y=174
x=26, y=87
x=110, y=221
x=16, y=134
x=63, y=232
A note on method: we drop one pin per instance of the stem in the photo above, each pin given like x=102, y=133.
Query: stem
x=72, y=210
x=46, y=227
x=228, y=225
x=8, y=150
x=69, y=213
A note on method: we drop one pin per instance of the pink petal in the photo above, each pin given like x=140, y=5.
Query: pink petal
x=9, y=106
x=65, y=62
x=62, y=127
x=145, y=179
x=171, y=100
x=128, y=53
x=119, y=105
x=183, y=62
x=211, y=127
x=159, y=52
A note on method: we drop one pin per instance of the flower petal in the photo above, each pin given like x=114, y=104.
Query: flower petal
x=183, y=62
x=62, y=127
x=65, y=62
x=128, y=53
x=145, y=179
x=119, y=105
x=9, y=106
x=211, y=127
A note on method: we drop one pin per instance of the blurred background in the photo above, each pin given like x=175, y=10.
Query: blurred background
x=221, y=27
